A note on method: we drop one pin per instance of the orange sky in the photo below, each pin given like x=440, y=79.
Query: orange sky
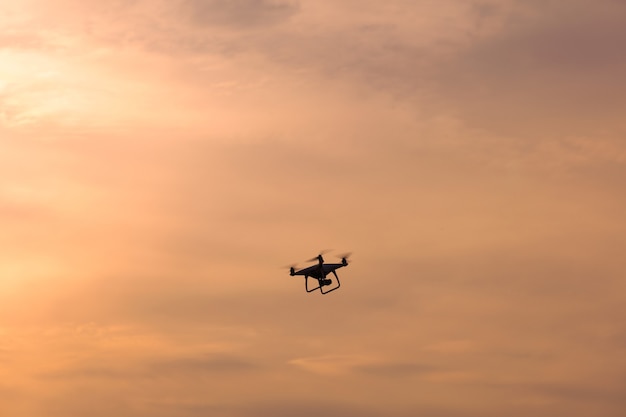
x=161, y=160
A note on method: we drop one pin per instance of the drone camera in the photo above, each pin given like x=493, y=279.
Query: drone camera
x=326, y=282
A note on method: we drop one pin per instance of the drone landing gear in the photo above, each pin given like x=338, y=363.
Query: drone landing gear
x=322, y=282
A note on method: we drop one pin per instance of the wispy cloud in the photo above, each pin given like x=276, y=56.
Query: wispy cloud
x=202, y=365
x=185, y=366
x=241, y=14
x=332, y=364
x=395, y=369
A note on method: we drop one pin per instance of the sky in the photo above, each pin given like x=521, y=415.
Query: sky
x=161, y=161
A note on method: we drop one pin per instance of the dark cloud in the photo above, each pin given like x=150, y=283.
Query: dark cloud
x=95, y=372
x=619, y=340
x=553, y=68
x=328, y=409
x=554, y=65
x=187, y=409
x=289, y=408
x=574, y=394
x=201, y=365
x=174, y=367
x=239, y=14
x=395, y=369
x=87, y=401
x=374, y=59
x=580, y=393
x=553, y=39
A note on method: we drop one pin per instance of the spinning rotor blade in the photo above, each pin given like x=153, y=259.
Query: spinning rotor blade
x=322, y=252
x=344, y=255
x=291, y=268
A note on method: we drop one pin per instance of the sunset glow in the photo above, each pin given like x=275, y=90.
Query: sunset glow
x=160, y=161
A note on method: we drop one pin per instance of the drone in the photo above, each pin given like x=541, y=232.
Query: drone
x=319, y=272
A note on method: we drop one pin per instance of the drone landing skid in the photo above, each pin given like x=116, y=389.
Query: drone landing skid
x=321, y=284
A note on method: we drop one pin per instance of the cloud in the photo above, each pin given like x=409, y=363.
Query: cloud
x=355, y=364
x=331, y=364
x=557, y=55
x=587, y=392
x=310, y=410
x=240, y=14
x=453, y=347
x=201, y=365
x=337, y=409
x=184, y=365
x=94, y=372
x=395, y=369
x=551, y=70
x=497, y=64
x=86, y=401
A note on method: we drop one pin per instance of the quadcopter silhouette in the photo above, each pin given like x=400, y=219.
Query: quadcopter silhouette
x=319, y=272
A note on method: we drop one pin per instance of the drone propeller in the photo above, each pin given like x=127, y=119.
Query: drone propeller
x=322, y=252
x=344, y=258
x=291, y=268
x=344, y=255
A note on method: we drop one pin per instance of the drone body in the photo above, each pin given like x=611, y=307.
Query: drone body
x=319, y=272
